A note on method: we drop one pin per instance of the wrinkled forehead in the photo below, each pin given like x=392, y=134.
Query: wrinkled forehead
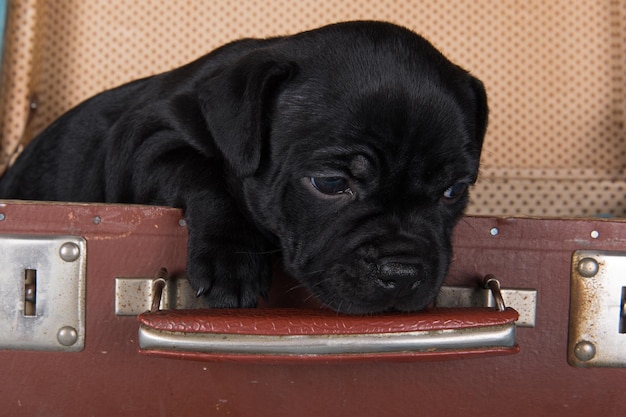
x=401, y=116
x=383, y=136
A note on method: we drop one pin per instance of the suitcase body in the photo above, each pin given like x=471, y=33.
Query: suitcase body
x=109, y=376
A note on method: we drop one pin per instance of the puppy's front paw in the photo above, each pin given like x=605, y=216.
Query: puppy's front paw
x=229, y=280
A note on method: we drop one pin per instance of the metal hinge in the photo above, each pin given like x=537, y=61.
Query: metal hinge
x=42, y=292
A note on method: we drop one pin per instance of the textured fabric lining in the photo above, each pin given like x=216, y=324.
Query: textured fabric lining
x=554, y=71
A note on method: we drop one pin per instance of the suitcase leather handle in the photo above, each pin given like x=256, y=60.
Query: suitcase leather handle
x=301, y=335
x=293, y=335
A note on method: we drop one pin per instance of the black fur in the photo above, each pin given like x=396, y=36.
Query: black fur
x=349, y=148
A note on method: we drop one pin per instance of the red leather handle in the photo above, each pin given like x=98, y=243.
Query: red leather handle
x=280, y=335
x=289, y=322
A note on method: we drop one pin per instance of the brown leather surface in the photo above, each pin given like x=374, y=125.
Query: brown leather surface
x=284, y=322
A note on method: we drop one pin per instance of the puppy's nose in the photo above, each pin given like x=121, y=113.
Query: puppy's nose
x=400, y=277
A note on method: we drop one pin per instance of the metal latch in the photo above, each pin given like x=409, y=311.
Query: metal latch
x=597, y=328
x=42, y=292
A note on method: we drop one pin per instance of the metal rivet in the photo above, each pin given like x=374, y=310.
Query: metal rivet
x=34, y=102
x=67, y=336
x=69, y=252
x=595, y=234
x=182, y=222
x=494, y=231
x=2, y=216
x=584, y=350
x=97, y=220
x=588, y=267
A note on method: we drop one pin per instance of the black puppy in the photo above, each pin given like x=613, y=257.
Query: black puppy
x=350, y=148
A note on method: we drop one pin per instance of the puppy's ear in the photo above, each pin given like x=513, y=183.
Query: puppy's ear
x=482, y=110
x=236, y=105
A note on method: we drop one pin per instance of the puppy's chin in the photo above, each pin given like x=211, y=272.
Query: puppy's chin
x=357, y=307
x=355, y=304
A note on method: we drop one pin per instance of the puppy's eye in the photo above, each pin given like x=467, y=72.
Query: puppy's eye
x=455, y=192
x=331, y=185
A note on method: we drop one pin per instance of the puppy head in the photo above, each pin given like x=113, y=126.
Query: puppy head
x=359, y=141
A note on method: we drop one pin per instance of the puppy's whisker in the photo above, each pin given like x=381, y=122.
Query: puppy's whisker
x=295, y=287
x=269, y=252
x=320, y=282
x=310, y=297
x=314, y=272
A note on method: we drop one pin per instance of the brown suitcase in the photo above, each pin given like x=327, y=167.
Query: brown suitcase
x=555, y=147
x=109, y=376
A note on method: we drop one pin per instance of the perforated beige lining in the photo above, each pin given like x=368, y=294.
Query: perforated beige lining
x=555, y=72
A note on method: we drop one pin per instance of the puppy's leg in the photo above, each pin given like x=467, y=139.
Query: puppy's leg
x=227, y=259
